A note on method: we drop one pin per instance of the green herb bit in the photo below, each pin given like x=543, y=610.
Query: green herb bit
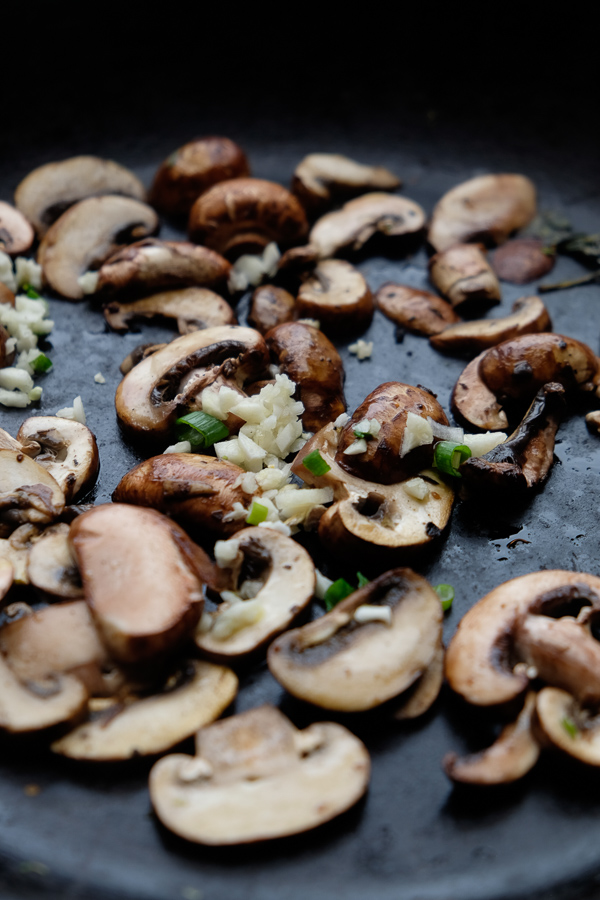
x=258, y=513
x=574, y=282
x=362, y=580
x=315, y=463
x=362, y=435
x=448, y=456
x=200, y=429
x=32, y=293
x=446, y=594
x=337, y=591
x=41, y=364
x=570, y=727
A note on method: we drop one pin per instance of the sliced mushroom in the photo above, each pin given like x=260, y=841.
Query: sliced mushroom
x=198, y=491
x=7, y=574
x=192, y=308
x=418, y=311
x=68, y=450
x=337, y=663
x=151, y=264
x=256, y=777
x=15, y=550
x=151, y=395
x=309, y=358
x=359, y=220
x=6, y=356
x=137, y=355
x=510, y=757
x=16, y=233
x=192, y=169
x=486, y=208
x=321, y=178
x=138, y=579
x=87, y=234
x=593, y=420
x=6, y=295
x=337, y=295
x=132, y=726
x=51, y=564
x=243, y=215
x=281, y=576
x=28, y=492
x=568, y=726
x=462, y=274
x=529, y=316
x=270, y=306
x=480, y=665
x=32, y=707
x=48, y=191
x=522, y=261
x=421, y=696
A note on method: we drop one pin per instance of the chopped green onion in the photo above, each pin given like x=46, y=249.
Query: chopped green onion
x=362, y=581
x=362, y=435
x=446, y=594
x=200, y=429
x=570, y=727
x=30, y=292
x=258, y=513
x=448, y=456
x=315, y=463
x=41, y=364
x=336, y=592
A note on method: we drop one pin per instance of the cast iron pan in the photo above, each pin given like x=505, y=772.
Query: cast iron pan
x=90, y=832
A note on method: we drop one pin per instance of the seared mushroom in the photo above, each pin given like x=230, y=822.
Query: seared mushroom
x=243, y=215
x=7, y=574
x=28, y=492
x=418, y=311
x=568, y=725
x=340, y=663
x=359, y=220
x=51, y=564
x=16, y=233
x=87, y=234
x=486, y=208
x=256, y=777
x=192, y=308
x=192, y=169
x=48, y=191
x=522, y=261
x=33, y=707
x=462, y=274
x=421, y=696
x=6, y=356
x=309, y=358
x=337, y=295
x=67, y=449
x=529, y=316
x=322, y=178
x=270, y=306
x=16, y=547
x=593, y=420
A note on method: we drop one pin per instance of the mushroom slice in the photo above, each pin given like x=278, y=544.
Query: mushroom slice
x=192, y=308
x=151, y=395
x=510, y=757
x=16, y=548
x=192, y=169
x=48, y=191
x=486, y=208
x=198, y=491
x=340, y=664
x=7, y=575
x=359, y=220
x=134, y=726
x=28, y=492
x=529, y=316
x=87, y=234
x=68, y=450
x=320, y=178
x=418, y=311
x=32, y=707
x=51, y=564
x=592, y=420
x=6, y=356
x=309, y=358
x=16, y=233
x=276, y=576
x=421, y=696
x=256, y=777
x=270, y=306
x=139, y=579
x=243, y=215
x=479, y=660
x=522, y=261
x=462, y=274
x=523, y=461
x=337, y=295
x=6, y=295
x=151, y=264
x=569, y=726
x=473, y=401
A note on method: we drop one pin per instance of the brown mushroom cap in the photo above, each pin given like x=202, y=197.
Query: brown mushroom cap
x=360, y=219
x=256, y=777
x=68, y=450
x=568, y=726
x=192, y=308
x=87, y=234
x=522, y=260
x=338, y=664
x=462, y=274
x=529, y=316
x=337, y=295
x=309, y=358
x=16, y=233
x=49, y=190
x=28, y=492
x=243, y=215
x=34, y=707
x=485, y=208
x=270, y=306
x=320, y=178
x=192, y=169
x=418, y=311
x=51, y=564
x=421, y=696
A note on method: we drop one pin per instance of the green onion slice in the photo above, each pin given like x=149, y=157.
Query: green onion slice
x=41, y=364
x=362, y=580
x=315, y=463
x=570, y=727
x=336, y=592
x=448, y=456
x=258, y=513
x=200, y=429
x=446, y=594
